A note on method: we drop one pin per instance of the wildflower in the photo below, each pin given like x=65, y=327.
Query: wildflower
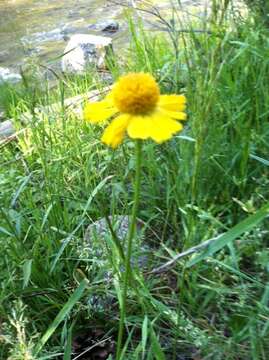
x=138, y=109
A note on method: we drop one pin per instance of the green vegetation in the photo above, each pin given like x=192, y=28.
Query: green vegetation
x=211, y=179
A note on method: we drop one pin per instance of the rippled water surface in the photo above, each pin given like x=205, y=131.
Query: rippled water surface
x=42, y=27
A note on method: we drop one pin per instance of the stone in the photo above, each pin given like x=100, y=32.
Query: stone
x=84, y=50
x=6, y=129
x=108, y=26
x=100, y=227
x=9, y=77
x=96, y=248
x=97, y=231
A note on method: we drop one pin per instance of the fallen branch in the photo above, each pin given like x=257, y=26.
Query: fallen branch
x=170, y=263
x=7, y=130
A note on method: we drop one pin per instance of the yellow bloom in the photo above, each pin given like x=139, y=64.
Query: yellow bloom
x=138, y=109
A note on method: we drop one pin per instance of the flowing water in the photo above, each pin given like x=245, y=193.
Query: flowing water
x=40, y=28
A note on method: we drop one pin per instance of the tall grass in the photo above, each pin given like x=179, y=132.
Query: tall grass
x=57, y=179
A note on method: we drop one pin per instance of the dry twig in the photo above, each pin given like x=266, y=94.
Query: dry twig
x=194, y=249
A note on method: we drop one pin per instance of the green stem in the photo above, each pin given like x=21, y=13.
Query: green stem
x=131, y=234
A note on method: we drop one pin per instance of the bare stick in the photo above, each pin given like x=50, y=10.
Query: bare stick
x=70, y=103
x=198, y=248
x=92, y=347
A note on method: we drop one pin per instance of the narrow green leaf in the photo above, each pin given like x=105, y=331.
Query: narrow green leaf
x=45, y=218
x=156, y=347
x=4, y=231
x=71, y=236
x=61, y=315
x=188, y=138
x=246, y=225
x=261, y=160
x=20, y=190
x=27, y=270
x=144, y=335
x=68, y=345
x=124, y=350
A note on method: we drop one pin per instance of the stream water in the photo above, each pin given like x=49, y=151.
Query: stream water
x=40, y=28
x=31, y=29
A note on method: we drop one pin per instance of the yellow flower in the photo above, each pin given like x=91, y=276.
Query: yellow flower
x=138, y=109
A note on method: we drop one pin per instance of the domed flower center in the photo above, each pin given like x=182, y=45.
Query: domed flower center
x=136, y=93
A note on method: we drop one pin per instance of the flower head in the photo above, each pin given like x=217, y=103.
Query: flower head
x=138, y=109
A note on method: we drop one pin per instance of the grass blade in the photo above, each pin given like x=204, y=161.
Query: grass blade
x=27, y=270
x=261, y=160
x=68, y=346
x=62, y=315
x=70, y=236
x=239, y=229
x=144, y=335
x=156, y=347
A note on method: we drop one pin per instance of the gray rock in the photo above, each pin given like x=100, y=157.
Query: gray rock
x=95, y=236
x=84, y=50
x=95, y=249
x=108, y=26
x=100, y=228
x=6, y=129
x=7, y=76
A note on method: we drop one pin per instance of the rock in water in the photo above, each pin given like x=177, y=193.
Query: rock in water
x=7, y=76
x=109, y=26
x=84, y=50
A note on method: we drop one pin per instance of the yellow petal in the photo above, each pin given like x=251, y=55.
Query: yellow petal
x=172, y=102
x=140, y=127
x=156, y=126
x=99, y=111
x=179, y=115
x=114, y=133
x=164, y=128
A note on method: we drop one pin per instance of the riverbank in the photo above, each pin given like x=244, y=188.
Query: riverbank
x=199, y=284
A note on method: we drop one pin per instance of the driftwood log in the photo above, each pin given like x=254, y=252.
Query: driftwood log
x=72, y=105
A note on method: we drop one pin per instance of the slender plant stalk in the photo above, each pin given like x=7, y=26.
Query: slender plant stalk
x=131, y=234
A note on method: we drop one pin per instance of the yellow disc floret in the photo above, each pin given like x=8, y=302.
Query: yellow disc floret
x=136, y=93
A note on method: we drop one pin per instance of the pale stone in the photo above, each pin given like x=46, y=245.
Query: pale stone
x=7, y=76
x=6, y=129
x=95, y=248
x=83, y=50
x=96, y=232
